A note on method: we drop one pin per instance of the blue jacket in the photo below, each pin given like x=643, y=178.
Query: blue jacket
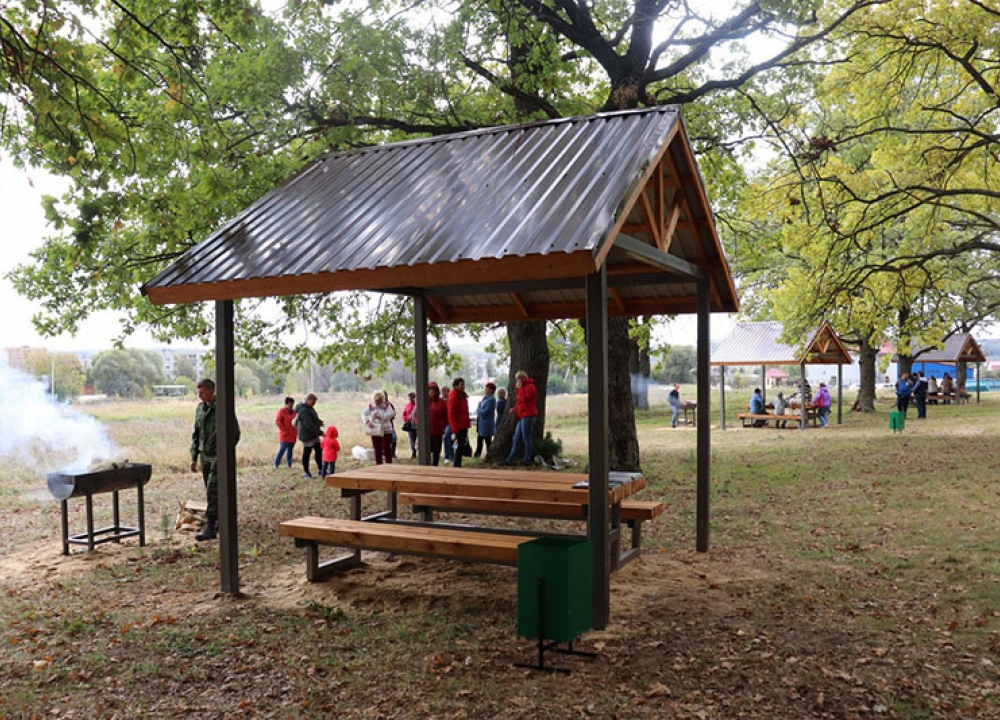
x=757, y=404
x=903, y=389
x=486, y=416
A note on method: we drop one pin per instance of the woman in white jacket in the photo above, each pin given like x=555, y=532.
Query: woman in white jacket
x=377, y=419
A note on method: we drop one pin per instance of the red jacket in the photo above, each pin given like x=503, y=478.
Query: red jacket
x=437, y=408
x=526, y=402
x=286, y=431
x=458, y=411
x=330, y=444
x=409, y=412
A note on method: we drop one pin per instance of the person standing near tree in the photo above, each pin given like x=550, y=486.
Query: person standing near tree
x=204, y=444
x=904, y=389
x=310, y=433
x=526, y=410
x=458, y=419
x=486, y=419
x=287, y=435
x=920, y=394
x=501, y=403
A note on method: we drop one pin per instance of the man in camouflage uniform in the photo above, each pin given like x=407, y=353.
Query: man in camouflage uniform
x=203, y=442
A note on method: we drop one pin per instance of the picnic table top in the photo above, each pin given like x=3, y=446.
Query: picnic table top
x=481, y=482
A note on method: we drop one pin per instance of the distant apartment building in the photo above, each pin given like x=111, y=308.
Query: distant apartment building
x=16, y=357
x=170, y=356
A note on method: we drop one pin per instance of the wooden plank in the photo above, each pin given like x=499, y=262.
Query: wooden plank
x=576, y=511
x=390, y=537
x=630, y=509
x=510, y=485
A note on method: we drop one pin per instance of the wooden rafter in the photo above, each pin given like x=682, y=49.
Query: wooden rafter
x=520, y=305
x=616, y=298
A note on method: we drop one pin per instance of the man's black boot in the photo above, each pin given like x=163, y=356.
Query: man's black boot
x=210, y=531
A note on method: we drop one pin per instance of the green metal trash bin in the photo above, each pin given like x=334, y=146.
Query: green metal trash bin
x=554, y=588
x=897, y=421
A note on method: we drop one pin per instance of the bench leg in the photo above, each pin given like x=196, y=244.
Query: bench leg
x=632, y=552
x=316, y=570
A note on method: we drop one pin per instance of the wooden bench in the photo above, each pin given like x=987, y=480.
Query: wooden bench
x=476, y=546
x=791, y=421
x=633, y=512
x=943, y=398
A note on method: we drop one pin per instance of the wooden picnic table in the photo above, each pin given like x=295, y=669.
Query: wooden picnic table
x=385, y=531
x=479, y=482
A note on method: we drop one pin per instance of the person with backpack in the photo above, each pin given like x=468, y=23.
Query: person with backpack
x=822, y=405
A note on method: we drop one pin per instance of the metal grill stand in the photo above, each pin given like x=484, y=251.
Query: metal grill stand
x=65, y=486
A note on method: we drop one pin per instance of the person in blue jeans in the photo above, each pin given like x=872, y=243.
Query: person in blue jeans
x=526, y=410
x=823, y=403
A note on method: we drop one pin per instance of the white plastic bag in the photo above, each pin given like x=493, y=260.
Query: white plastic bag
x=359, y=453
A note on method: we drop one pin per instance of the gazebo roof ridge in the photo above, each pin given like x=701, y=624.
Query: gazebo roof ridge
x=757, y=343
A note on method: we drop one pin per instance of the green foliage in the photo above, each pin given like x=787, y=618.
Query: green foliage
x=679, y=365
x=64, y=367
x=126, y=373
x=169, y=118
x=548, y=447
x=184, y=368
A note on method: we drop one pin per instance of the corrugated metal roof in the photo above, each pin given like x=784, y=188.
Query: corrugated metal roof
x=757, y=343
x=958, y=348
x=523, y=202
x=754, y=343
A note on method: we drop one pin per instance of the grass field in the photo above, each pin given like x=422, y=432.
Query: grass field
x=852, y=573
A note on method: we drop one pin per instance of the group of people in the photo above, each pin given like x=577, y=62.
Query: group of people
x=450, y=423
x=450, y=420
x=822, y=403
x=301, y=422
x=914, y=386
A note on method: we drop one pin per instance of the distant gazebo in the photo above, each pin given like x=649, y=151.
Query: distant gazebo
x=775, y=377
x=758, y=343
x=960, y=348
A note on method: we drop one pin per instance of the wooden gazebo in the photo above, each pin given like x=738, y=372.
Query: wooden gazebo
x=758, y=343
x=959, y=348
x=576, y=218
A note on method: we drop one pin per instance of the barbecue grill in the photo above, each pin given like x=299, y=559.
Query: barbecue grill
x=65, y=485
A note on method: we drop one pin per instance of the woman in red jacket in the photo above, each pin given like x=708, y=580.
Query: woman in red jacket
x=287, y=434
x=458, y=418
x=438, y=410
x=526, y=407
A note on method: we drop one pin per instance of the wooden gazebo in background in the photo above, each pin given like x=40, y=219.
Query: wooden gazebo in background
x=959, y=348
x=758, y=343
x=576, y=218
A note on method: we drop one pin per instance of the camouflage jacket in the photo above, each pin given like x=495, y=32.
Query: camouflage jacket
x=203, y=439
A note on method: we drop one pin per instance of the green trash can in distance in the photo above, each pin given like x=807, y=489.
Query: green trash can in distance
x=564, y=567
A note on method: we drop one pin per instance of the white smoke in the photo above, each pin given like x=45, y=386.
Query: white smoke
x=40, y=433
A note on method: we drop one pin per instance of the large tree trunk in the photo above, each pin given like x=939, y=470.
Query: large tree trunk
x=961, y=372
x=905, y=361
x=624, y=450
x=867, y=357
x=529, y=351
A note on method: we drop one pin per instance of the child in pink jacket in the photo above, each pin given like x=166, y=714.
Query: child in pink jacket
x=331, y=448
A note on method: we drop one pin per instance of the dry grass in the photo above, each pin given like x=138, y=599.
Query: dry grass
x=853, y=573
